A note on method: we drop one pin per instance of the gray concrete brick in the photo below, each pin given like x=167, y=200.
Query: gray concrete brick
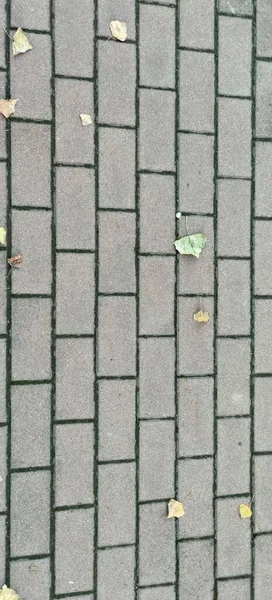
x=233, y=589
x=2, y=380
x=233, y=297
x=30, y=434
x=74, y=464
x=74, y=379
x=31, y=578
x=30, y=14
x=233, y=383
x=116, y=434
x=116, y=83
x=3, y=37
x=3, y=183
x=117, y=233
x=74, y=38
x=74, y=143
x=156, y=143
x=2, y=547
x=30, y=513
x=157, y=213
x=263, y=94
x=116, y=504
x=116, y=155
x=31, y=178
x=157, y=444
x=156, y=545
x=263, y=165
x=196, y=92
x=116, y=336
x=234, y=231
x=158, y=593
x=75, y=293
x=116, y=568
x=195, y=479
x=263, y=277
x=197, y=24
x=233, y=461
x=75, y=208
x=195, y=401
x=3, y=287
x=236, y=7
x=157, y=378
x=3, y=151
x=262, y=415
x=157, y=46
x=3, y=467
x=31, y=237
x=233, y=539
x=157, y=295
x=31, y=344
x=74, y=550
x=162, y=1
x=195, y=340
x=264, y=29
x=263, y=575
x=196, y=173
x=83, y=597
x=235, y=37
x=197, y=276
x=33, y=72
x=263, y=336
x=262, y=491
x=196, y=570
x=112, y=10
x=234, y=153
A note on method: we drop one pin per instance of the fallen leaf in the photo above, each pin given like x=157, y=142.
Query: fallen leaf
x=8, y=594
x=119, y=30
x=191, y=244
x=34, y=568
x=85, y=119
x=7, y=107
x=245, y=511
x=15, y=261
x=3, y=235
x=201, y=317
x=175, y=509
x=20, y=43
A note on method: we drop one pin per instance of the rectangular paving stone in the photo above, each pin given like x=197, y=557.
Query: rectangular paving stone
x=28, y=582
x=158, y=593
x=74, y=379
x=262, y=415
x=3, y=149
x=196, y=172
x=116, y=504
x=75, y=204
x=263, y=93
x=196, y=92
x=197, y=277
x=263, y=277
x=263, y=165
x=156, y=474
x=2, y=381
x=116, y=568
x=74, y=550
x=157, y=46
x=3, y=183
x=30, y=513
x=3, y=37
x=233, y=541
x=116, y=107
x=3, y=288
x=110, y=10
x=234, y=70
x=74, y=143
x=156, y=378
x=31, y=178
x=157, y=295
x=263, y=575
x=117, y=240
x=30, y=433
x=195, y=479
x=233, y=382
x=236, y=7
x=233, y=461
x=2, y=547
x=234, y=152
x=75, y=293
x=116, y=336
x=197, y=24
x=157, y=144
x=233, y=589
x=157, y=213
x=116, y=155
x=195, y=343
x=33, y=72
x=156, y=545
x=262, y=489
x=162, y=1
x=196, y=570
x=74, y=38
x=196, y=407
x=31, y=343
x=263, y=336
x=74, y=464
x=116, y=434
x=31, y=237
x=233, y=231
x=264, y=29
x=30, y=14
x=3, y=467
x=234, y=297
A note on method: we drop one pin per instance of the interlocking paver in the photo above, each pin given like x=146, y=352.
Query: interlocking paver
x=262, y=415
x=157, y=443
x=158, y=593
x=116, y=336
x=233, y=297
x=195, y=488
x=156, y=377
x=32, y=577
x=3, y=468
x=116, y=83
x=2, y=546
x=263, y=577
x=264, y=29
x=196, y=107
x=263, y=92
x=72, y=457
x=75, y=293
x=234, y=130
x=156, y=144
x=156, y=545
x=236, y=7
x=262, y=483
x=112, y=10
x=196, y=165
x=197, y=278
x=30, y=14
x=157, y=208
x=263, y=336
x=196, y=422
x=196, y=570
x=235, y=39
x=233, y=549
x=116, y=497
x=73, y=38
x=263, y=161
x=233, y=461
x=116, y=434
x=30, y=436
x=75, y=208
x=116, y=573
x=195, y=342
x=263, y=279
x=2, y=380
x=233, y=226
x=197, y=24
x=117, y=149
x=156, y=295
x=3, y=283
x=74, y=379
x=233, y=589
x=233, y=393
x=157, y=46
x=117, y=252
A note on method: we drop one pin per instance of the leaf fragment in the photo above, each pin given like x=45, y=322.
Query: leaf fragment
x=175, y=509
x=20, y=43
x=119, y=30
x=8, y=594
x=3, y=235
x=201, y=316
x=7, y=107
x=85, y=119
x=245, y=511
x=15, y=261
x=191, y=244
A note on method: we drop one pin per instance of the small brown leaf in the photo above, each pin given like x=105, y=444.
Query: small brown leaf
x=34, y=568
x=8, y=594
x=20, y=43
x=85, y=119
x=175, y=509
x=7, y=107
x=201, y=316
x=15, y=261
x=119, y=30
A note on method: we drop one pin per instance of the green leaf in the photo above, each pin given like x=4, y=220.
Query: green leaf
x=3, y=235
x=191, y=244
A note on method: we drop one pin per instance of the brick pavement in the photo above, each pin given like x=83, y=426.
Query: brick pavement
x=113, y=400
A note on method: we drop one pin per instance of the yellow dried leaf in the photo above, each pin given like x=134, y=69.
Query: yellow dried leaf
x=201, y=317
x=175, y=509
x=20, y=43
x=119, y=30
x=7, y=107
x=3, y=235
x=245, y=511
x=8, y=594
x=85, y=119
